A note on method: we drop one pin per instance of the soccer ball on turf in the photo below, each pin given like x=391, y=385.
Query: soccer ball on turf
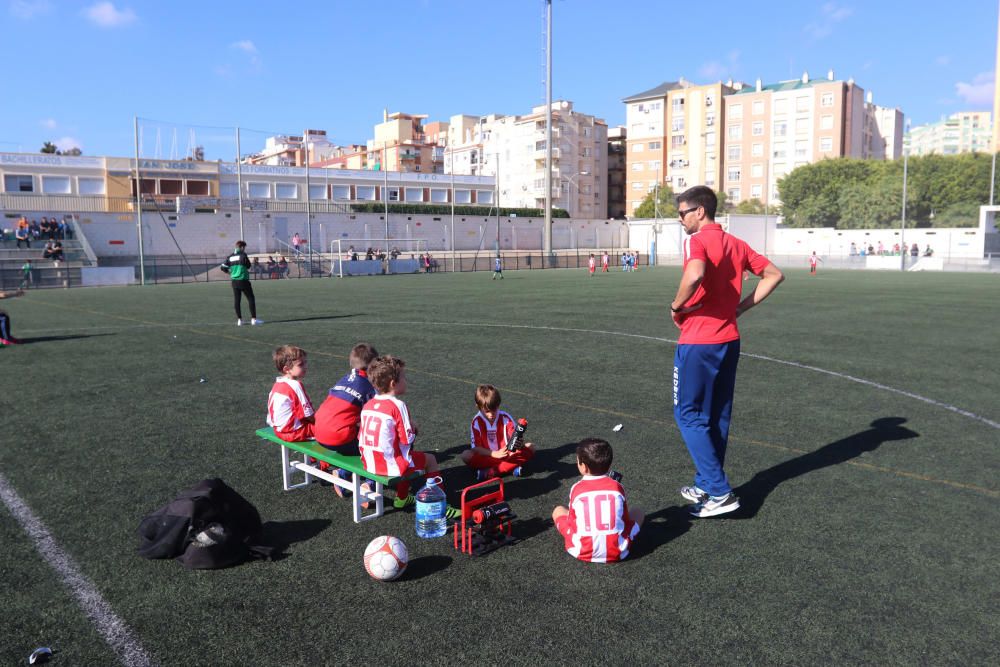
x=385, y=558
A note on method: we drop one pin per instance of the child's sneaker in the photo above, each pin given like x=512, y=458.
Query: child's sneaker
x=400, y=503
x=255, y=322
x=715, y=506
x=694, y=494
x=239, y=323
x=518, y=471
x=484, y=474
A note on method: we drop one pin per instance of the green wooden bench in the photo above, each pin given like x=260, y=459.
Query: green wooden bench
x=352, y=464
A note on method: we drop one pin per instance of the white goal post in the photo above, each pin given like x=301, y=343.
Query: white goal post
x=342, y=250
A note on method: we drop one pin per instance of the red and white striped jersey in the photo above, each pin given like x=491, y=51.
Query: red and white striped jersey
x=287, y=405
x=491, y=435
x=386, y=436
x=599, y=529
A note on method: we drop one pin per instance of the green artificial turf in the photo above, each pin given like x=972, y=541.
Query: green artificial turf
x=868, y=532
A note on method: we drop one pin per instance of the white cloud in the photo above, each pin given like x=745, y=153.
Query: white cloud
x=105, y=15
x=29, y=9
x=979, y=93
x=48, y=123
x=830, y=15
x=249, y=48
x=67, y=143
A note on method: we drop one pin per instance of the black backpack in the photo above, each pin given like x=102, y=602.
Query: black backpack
x=208, y=526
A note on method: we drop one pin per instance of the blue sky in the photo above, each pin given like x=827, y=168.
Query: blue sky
x=77, y=72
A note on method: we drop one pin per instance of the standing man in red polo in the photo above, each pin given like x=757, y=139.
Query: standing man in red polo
x=705, y=310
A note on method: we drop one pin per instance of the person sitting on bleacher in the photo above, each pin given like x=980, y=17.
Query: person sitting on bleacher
x=36, y=230
x=44, y=228
x=22, y=233
x=255, y=267
x=272, y=267
x=282, y=267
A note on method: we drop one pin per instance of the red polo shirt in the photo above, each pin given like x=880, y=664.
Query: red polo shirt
x=725, y=257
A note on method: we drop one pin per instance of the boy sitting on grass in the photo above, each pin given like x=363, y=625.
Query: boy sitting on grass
x=598, y=526
x=489, y=434
x=387, y=435
x=289, y=410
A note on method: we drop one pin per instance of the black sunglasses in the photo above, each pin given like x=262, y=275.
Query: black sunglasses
x=684, y=211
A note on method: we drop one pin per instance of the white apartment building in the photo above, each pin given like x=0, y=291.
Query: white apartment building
x=963, y=132
x=285, y=150
x=512, y=149
x=883, y=131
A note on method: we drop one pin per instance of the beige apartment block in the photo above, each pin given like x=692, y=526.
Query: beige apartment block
x=772, y=129
x=963, y=132
x=513, y=149
x=402, y=143
x=674, y=138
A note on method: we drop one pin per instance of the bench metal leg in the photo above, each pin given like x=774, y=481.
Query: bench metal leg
x=287, y=468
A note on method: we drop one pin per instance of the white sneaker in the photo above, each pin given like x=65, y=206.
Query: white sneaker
x=694, y=494
x=255, y=322
x=239, y=323
x=716, y=506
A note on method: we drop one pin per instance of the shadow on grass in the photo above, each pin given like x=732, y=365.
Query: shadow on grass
x=313, y=319
x=418, y=568
x=753, y=493
x=283, y=534
x=659, y=528
x=49, y=339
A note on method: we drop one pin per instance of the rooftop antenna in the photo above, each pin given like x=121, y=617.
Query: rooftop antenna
x=173, y=145
x=158, y=147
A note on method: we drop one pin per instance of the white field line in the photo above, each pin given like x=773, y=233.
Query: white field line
x=869, y=383
x=112, y=629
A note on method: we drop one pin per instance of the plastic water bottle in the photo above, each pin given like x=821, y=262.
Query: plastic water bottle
x=431, y=503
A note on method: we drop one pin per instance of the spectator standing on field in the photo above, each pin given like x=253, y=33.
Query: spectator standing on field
x=705, y=309
x=237, y=265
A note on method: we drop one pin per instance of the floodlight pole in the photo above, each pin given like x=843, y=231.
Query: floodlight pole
x=993, y=175
x=239, y=184
x=385, y=195
x=138, y=203
x=547, y=227
x=309, y=227
x=452, y=210
x=902, y=224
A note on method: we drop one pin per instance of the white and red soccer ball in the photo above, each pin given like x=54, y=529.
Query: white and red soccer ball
x=386, y=558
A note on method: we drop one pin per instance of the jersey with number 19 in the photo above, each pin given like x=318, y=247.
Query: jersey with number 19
x=598, y=528
x=386, y=436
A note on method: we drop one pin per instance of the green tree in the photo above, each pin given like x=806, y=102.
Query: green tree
x=667, y=207
x=49, y=147
x=750, y=206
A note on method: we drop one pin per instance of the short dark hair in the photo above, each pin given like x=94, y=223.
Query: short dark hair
x=700, y=195
x=362, y=355
x=241, y=244
x=382, y=372
x=596, y=454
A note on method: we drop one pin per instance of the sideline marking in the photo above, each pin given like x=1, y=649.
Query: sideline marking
x=652, y=420
x=112, y=629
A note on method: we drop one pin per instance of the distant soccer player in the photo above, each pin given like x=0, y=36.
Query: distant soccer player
x=497, y=268
x=604, y=262
x=592, y=264
x=705, y=309
x=289, y=410
x=813, y=260
x=598, y=526
x=237, y=265
x=488, y=436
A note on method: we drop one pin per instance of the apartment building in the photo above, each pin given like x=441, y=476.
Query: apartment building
x=772, y=129
x=513, y=149
x=617, y=151
x=287, y=150
x=674, y=137
x=401, y=144
x=963, y=132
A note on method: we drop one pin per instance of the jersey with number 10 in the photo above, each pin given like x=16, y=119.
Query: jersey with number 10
x=386, y=436
x=599, y=529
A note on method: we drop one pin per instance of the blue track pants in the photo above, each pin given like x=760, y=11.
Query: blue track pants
x=704, y=381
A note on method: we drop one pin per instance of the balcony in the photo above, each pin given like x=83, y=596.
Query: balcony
x=540, y=154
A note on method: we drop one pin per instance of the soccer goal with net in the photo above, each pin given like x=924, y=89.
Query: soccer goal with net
x=367, y=256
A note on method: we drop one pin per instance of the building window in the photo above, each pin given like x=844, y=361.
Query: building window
x=654, y=165
x=17, y=183
x=780, y=128
x=801, y=148
x=170, y=186
x=757, y=129
x=710, y=140
x=229, y=190
x=826, y=100
x=779, y=151
x=677, y=124
x=678, y=141
x=802, y=125
x=736, y=111
x=755, y=191
x=734, y=152
x=259, y=190
x=463, y=196
x=56, y=185
x=94, y=186
x=637, y=148
x=417, y=194
x=286, y=191
x=196, y=188
x=733, y=174
x=757, y=150
x=734, y=195
x=677, y=105
x=638, y=185
x=826, y=143
x=636, y=166
x=654, y=145
x=758, y=107
x=317, y=191
x=757, y=170
x=735, y=131
x=781, y=106
x=393, y=194
x=362, y=192
x=710, y=120
x=343, y=192
x=826, y=122
x=636, y=129
x=802, y=103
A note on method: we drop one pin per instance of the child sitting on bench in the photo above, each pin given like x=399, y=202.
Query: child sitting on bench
x=289, y=410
